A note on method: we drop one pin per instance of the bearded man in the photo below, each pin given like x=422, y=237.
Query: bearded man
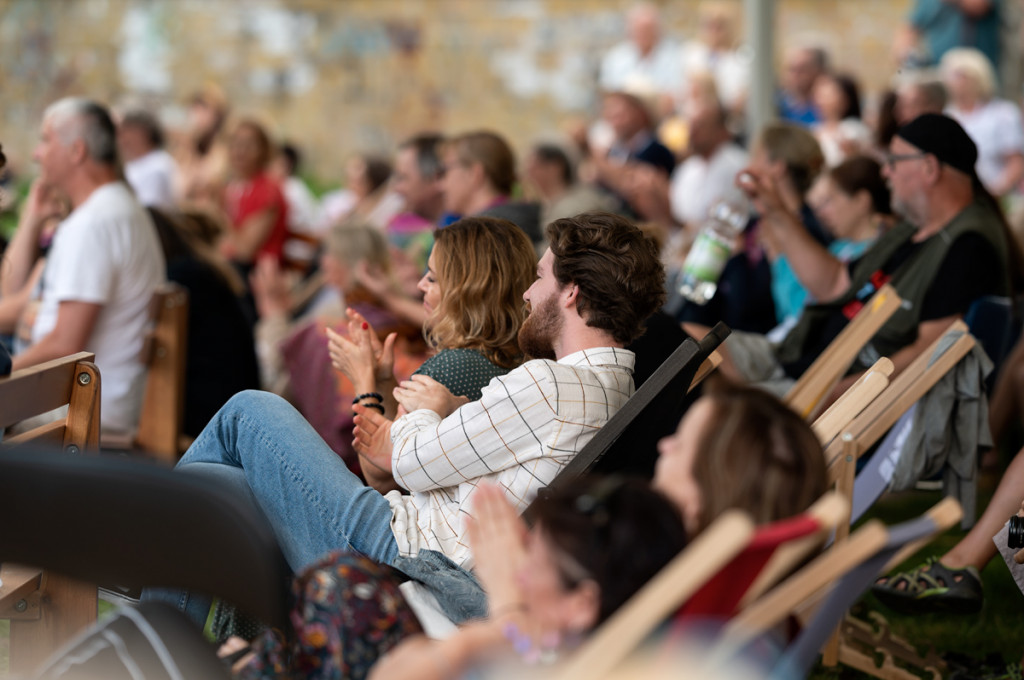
x=596, y=284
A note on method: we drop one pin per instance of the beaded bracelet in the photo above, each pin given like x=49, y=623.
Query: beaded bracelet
x=377, y=407
x=369, y=395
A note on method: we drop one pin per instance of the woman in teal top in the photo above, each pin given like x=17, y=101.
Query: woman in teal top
x=853, y=204
x=473, y=294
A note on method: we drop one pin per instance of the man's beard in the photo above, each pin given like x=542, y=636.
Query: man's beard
x=539, y=330
x=907, y=210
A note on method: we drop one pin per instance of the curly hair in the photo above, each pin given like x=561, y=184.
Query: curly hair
x=616, y=266
x=483, y=267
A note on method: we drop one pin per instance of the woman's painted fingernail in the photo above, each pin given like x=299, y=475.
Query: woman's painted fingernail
x=365, y=325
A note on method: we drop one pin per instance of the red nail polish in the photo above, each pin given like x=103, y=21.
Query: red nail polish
x=365, y=325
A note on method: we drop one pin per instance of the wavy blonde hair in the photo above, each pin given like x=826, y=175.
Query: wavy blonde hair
x=483, y=266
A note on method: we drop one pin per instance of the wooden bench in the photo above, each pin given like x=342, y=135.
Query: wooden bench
x=45, y=608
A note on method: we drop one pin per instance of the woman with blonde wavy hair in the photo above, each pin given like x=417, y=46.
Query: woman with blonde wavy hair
x=473, y=294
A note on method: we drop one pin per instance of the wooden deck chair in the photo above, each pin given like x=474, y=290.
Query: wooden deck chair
x=163, y=402
x=627, y=444
x=775, y=550
x=706, y=368
x=769, y=554
x=852, y=402
x=159, y=528
x=883, y=414
x=845, y=572
x=46, y=608
x=818, y=381
x=623, y=632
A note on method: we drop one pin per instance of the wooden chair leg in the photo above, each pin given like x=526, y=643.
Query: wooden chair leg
x=67, y=606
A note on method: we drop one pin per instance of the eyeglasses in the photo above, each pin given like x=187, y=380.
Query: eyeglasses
x=891, y=159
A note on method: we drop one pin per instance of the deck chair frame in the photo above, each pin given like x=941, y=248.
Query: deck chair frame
x=46, y=608
x=817, y=382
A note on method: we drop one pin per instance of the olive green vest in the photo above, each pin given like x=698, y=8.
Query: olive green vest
x=911, y=280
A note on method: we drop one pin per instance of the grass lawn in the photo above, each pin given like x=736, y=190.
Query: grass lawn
x=997, y=629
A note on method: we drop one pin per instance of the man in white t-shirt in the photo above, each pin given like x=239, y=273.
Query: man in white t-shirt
x=646, y=60
x=105, y=262
x=149, y=169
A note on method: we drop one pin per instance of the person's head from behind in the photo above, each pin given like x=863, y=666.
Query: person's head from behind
x=249, y=149
x=851, y=194
x=919, y=95
x=837, y=96
x=594, y=543
x=740, y=448
x=478, y=166
x=473, y=288
x=77, y=136
x=599, y=271
x=351, y=244
x=968, y=75
x=138, y=134
x=418, y=175
x=788, y=153
x=549, y=169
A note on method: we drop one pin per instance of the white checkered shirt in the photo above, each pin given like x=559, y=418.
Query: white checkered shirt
x=525, y=428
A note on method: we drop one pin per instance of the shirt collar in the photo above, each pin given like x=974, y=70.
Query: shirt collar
x=601, y=356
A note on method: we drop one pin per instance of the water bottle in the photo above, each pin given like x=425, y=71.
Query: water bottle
x=698, y=279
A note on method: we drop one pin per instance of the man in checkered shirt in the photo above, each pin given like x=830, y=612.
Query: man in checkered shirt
x=596, y=284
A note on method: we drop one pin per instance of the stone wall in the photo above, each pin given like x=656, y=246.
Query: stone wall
x=339, y=76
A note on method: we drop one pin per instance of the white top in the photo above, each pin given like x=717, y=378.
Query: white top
x=997, y=130
x=850, y=138
x=623, y=68
x=303, y=207
x=106, y=252
x=527, y=425
x=698, y=183
x=152, y=177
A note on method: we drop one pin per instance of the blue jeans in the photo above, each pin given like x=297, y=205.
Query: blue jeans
x=261, y=446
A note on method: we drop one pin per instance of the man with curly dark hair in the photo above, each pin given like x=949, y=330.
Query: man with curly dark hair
x=595, y=286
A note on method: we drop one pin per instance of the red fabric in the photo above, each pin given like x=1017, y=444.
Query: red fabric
x=720, y=596
x=243, y=198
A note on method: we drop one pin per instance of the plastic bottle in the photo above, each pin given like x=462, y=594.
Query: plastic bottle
x=711, y=249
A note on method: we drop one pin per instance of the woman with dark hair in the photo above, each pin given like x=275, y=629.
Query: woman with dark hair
x=220, y=357
x=365, y=195
x=841, y=132
x=593, y=544
x=852, y=202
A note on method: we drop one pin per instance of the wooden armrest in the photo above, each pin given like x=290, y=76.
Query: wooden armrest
x=19, y=585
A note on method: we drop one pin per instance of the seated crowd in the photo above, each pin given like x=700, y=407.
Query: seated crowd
x=391, y=373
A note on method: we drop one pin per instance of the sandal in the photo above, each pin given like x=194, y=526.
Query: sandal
x=932, y=587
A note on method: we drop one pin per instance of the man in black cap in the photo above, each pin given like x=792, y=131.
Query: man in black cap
x=952, y=248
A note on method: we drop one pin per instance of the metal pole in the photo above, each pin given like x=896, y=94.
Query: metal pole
x=760, y=28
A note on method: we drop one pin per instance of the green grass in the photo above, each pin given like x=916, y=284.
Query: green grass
x=996, y=629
